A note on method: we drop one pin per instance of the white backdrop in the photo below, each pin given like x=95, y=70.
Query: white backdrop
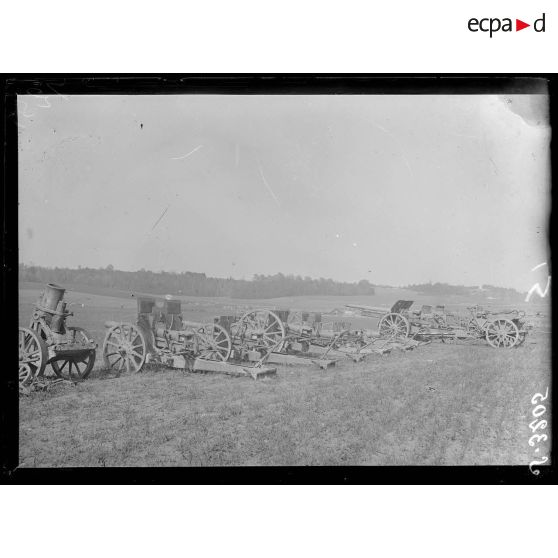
x=273, y=36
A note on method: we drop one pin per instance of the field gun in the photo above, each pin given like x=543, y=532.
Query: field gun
x=287, y=337
x=504, y=329
x=70, y=350
x=160, y=335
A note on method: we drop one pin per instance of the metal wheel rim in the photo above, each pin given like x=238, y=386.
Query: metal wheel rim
x=124, y=348
x=88, y=360
x=502, y=334
x=32, y=355
x=265, y=322
x=40, y=329
x=214, y=343
x=25, y=374
x=394, y=325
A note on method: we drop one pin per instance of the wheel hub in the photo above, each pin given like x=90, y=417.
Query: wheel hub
x=125, y=347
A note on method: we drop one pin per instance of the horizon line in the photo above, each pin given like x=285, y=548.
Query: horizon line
x=106, y=268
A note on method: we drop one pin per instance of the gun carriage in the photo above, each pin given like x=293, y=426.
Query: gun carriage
x=286, y=337
x=504, y=329
x=160, y=335
x=307, y=330
x=69, y=350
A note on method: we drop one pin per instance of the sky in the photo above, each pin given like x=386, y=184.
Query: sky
x=394, y=189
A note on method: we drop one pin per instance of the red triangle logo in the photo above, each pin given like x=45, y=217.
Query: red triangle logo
x=519, y=25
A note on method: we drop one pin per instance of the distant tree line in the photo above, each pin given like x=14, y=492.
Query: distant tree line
x=446, y=289
x=193, y=284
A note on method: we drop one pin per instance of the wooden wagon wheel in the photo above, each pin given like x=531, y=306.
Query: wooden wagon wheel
x=25, y=377
x=214, y=343
x=124, y=348
x=502, y=333
x=33, y=356
x=44, y=334
x=263, y=327
x=394, y=325
x=76, y=367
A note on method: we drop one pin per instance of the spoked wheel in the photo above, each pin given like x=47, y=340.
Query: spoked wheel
x=76, y=367
x=214, y=343
x=124, y=348
x=502, y=333
x=25, y=376
x=262, y=329
x=33, y=356
x=394, y=325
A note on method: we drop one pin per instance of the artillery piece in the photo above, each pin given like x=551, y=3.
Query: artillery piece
x=285, y=337
x=306, y=329
x=69, y=350
x=505, y=329
x=307, y=332
x=255, y=334
x=161, y=336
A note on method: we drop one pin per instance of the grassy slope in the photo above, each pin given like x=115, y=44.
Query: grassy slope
x=420, y=408
x=436, y=405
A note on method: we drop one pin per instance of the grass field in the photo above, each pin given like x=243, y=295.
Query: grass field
x=437, y=405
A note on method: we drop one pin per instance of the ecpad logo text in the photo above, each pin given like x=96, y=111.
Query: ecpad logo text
x=493, y=25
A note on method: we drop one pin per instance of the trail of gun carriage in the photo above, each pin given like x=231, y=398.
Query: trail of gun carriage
x=169, y=380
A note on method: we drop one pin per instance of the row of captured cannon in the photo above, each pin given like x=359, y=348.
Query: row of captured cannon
x=246, y=345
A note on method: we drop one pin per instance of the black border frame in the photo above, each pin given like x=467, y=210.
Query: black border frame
x=234, y=84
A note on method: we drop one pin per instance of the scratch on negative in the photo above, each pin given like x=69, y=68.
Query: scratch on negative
x=268, y=186
x=540, y=265
x=162, y=215
x=187, y=154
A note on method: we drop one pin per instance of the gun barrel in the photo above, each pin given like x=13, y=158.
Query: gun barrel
x=375, y=309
